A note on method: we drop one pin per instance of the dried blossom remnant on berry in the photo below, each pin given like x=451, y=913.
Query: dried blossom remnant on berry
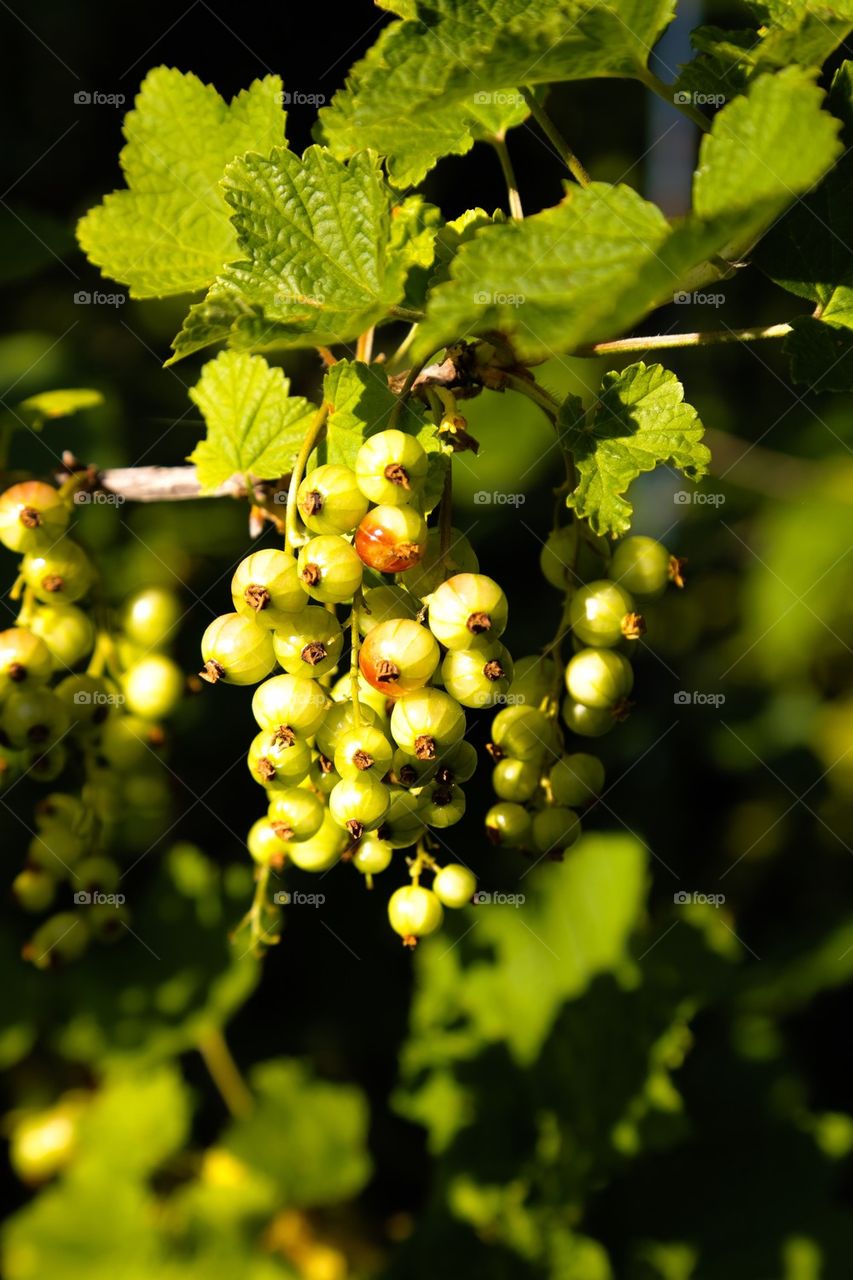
x=386, y=670
x=310, y=575
x=212, y=671
x=677, y=565
x=425, y=747
x=283, y=736
x=478, y=623
x=397, y=474
x=445, y=776
x=256, y=596
x=363, y=760
x=282, y=830
x=312, y=503
x=633, y=626
x=314, y=653
x=53, y=582
x=29, y=518
x=493, y=670
x=324, y=763
x=355, y=828
x=266, y=769
x=408, y=775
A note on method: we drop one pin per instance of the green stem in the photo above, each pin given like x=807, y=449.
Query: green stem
x=405, y=392
x=318, y=422
x=403, y=348
x=355, y=641
x=406, y=313
x=515, y=209
x=552, y=133
x=224, y=1072
x=445, y=515
x=526, y=387
x=664, y=341
x=664, y=91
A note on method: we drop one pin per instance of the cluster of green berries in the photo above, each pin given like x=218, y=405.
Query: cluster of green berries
x=540, y=783
x=357, y=766
x=92, y=728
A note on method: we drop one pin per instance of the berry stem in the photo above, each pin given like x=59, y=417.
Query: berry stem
x=312, y=435
x=405, y=392
x=364, y=346
x=353, y=665
x=552, y=133
x=527, y=387
x=513, y=197
x=445, y=515
x=224, y=1072
x=666, y=341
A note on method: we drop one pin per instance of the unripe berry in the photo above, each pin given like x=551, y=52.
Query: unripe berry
x=290, y=700
x=150, y=615
x=34, y=889
x=576, y=780
x=129, y=742
x=602, y=613
x=508, y=824
x=330, y=569
x=32, y=515
x=391, y=539
x=34, y=718
x=391, y=468
x=89, y=700
x=45, y=766
x=68, y=632
x=11, y=765
x=63, y=810
x=106, y=921
x=330, y=501
x=385, y=604
x=60, y=940
x=295, y=814
x=434, y=568
x=42, y=1144
x=523, y=732
x=599, y=677
x=265, y=844
x=454, y=885
x=443, y=805
x=477, y=677
x=467, y=611
x=555, y=829
x=309, y=643
x=339, y=718
x=63, y=572
x=359, y=804
x=641, y=565
x=96, y=875
x=372, y=856
x=341, y=691
x=427, y=722
x=558, y=555
x=153, y=687
x=398, y=657
x=323, y=850
x=24, y=659
x=588, y=722
x=279, y=759
x=407, y=771
x=236, y=650
x=515, y=780
x=414, y=912
x=533, y=679
x=458, y=764
x=322, y=776
x=266, y=587
x=363, y=749
x=55, y=849
x=403, y=825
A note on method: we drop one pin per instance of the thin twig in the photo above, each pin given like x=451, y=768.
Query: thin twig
x=668, y=341
x=552, y=133
x=515, y=209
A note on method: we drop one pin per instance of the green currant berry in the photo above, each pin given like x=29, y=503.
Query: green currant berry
x=89, y=700
x=359, y=804
x=443, y=804
x=330, y=501
x=34, y=718
x=391, y=539
x=533, y=680
x=24, y=659
x=107, y=921
x=641, y=565
x=508, y=824
x=385, y=604
x=341, y=691
x=516, y=780
x=290, y=700
x=34, y=890
x=372, y=856
x=149, y=616
x=330, y=569
x=32, y=515
x=588, y=722
x=63, y=572
x=55, y=849
x=477, y=677
x=96, y=875
x=61, y=940
x=295, y=813
x=434, y=567
x=363, y=749
x=45, y=766
x=128, y=742
x=599, y=677
x=576, y=780
x=265, y=844
x=323, y=776
x=406, y=827
x=235, y=649
x=309, y=643
x=11, y=766
x=459, y=764
x=407, y=771
x=602, y=613
x=153, y=687
x=523, y=732
x=42, y=1144
x=558, y=555
x=468, y=611
x=338, y=720
x=323, y=850
x=391, y=468
x=266, y=587
x=427, y=722
x=398, y=657
x=63, y=810
x=555, y=829
x=414, y=912
x=68, y=632
x=278, y=758
x=454, y=885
